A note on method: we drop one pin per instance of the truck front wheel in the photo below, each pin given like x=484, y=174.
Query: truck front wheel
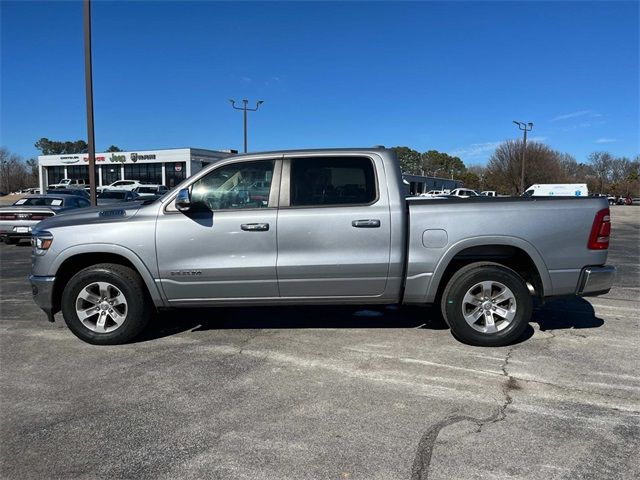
x=487, y=304
x=105, y=304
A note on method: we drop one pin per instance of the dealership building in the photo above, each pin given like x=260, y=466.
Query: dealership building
x=417, y=184
x=163, y=167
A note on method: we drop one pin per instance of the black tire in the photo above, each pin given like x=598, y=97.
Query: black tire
x=129, y=283
x=10, y=241
x=452, y=305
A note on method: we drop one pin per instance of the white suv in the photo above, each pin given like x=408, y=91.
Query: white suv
x=120, y=185
x=68, y=183
x=463, y=193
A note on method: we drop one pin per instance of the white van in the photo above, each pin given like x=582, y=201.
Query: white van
x=557, y=190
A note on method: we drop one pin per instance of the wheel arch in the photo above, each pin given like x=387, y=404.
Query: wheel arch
x=74, y=259
x=512, y=252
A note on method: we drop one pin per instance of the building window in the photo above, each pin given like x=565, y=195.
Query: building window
x=78, y=172
x=175, y=172
x=54, y=175
x=145, y=172
x=110, y=174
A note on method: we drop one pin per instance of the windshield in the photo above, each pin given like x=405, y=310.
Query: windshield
x=46, y=201
x=118, y=195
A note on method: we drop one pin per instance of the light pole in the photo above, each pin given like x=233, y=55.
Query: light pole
x=88, y=77
x=525, y=127
x=245, y=109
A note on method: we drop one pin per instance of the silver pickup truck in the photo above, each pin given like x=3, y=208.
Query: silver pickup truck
x=318, y=227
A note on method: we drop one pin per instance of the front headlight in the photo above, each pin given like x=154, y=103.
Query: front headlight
x=41, y=242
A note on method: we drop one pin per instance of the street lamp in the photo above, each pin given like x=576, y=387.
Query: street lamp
x=88, y=77
x=245, y=109
x=525, y=127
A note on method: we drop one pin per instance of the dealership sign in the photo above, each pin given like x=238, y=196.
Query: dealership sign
x=134, y=157
x=98, y=159
x=70, y=159
x=139, y=156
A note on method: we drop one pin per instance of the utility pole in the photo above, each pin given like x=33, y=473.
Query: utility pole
x=245, y=109
x=88, y=77
x=525, y=127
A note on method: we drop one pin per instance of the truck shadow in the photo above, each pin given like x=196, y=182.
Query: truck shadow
x=566, y=313
x=574, y=313
x=291, y=317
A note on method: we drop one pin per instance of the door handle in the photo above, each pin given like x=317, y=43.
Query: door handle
x=255, y=227
x=371, y=223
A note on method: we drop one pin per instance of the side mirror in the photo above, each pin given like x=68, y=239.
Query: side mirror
x=183, y=200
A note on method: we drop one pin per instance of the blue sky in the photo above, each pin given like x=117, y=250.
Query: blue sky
x=446, y=76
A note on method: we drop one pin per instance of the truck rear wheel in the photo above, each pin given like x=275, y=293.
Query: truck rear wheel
x=106, y=304
x=487, y=304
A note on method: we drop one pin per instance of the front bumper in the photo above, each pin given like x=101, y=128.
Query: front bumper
x=42, y=289
x=596, y=280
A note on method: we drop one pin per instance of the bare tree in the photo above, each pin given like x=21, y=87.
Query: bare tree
x=503, y=169
x=14, y=174
x=602, y=163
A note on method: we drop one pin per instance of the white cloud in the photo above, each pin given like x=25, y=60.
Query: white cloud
x=246, y=79
x=579, y=113
x=482, y=149
x=606, y=140
x=476, y=149
x=584, y=125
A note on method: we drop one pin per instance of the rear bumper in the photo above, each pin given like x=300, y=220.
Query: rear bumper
x=42, y=289
x=14, y=235
x=596, y=280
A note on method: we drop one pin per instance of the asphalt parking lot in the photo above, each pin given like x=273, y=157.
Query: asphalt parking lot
x=326, y=393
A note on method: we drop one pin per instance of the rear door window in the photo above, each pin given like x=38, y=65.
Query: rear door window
x=318, y=181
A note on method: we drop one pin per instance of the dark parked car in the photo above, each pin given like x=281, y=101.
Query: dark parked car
x=17, y=220
x=117, y=196
x=80, y=192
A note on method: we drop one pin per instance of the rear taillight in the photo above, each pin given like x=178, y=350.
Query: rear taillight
x=599, y=237
x=7, y=216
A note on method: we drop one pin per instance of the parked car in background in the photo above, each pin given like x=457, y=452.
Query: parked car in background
x=116, y=196
x=150, y=190
x=489, y=193
x=17, y=220
x=434, y=193
x=68, y=183
x=557, y=190
x=79, y=192
x=463, y=193
x=120, y=185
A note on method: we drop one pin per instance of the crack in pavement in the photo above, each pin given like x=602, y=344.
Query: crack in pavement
x=424, y=453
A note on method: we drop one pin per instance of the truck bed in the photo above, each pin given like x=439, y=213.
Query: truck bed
x=555, y=229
